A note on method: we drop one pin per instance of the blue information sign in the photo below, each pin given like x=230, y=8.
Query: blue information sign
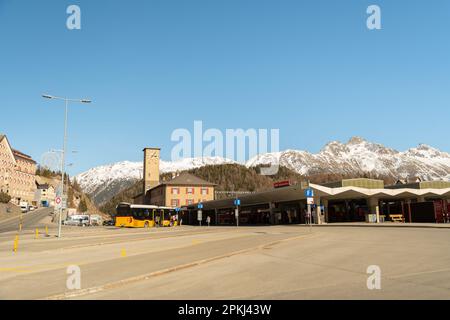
x=237, y=202
x=309, y=193
x=200, y=205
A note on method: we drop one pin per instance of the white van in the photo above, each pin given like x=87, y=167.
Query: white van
x=81, y=220
x=24, y=206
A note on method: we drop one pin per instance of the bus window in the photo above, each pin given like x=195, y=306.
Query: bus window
x=140, y=213
x=123, y=211
x=136, y=213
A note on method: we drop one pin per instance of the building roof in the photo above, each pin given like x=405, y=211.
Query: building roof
x=421, y=185
x=52, y=182
x=291, y=193
x=15, y=152
x=4, y=137
x=42, y=186
x=357, y=182
x=137, y=196
x=22, y=155
x=187, y=179
x=184, y=179
x=151, y=148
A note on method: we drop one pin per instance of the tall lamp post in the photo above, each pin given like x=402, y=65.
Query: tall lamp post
x=66, y=100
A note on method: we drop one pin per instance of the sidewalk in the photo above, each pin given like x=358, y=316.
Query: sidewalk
x=386, y=225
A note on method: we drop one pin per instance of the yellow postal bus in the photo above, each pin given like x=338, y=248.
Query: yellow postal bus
x=144, y=216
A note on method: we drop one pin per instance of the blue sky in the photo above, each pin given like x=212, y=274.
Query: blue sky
x=310, y=68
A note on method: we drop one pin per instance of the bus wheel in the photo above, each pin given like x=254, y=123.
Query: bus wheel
x=146, y=224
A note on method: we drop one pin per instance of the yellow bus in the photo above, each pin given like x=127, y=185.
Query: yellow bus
x=144, y=216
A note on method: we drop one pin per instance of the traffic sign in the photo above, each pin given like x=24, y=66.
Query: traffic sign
x=237, y=202
x=199, y=215
x=309, y=200
x=309, y=193
x=200, y=206
x=58, y=200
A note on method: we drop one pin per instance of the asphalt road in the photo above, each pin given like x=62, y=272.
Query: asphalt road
x=276, y=262
x=30, y=220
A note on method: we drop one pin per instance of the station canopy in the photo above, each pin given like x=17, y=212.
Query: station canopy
x=296, y=193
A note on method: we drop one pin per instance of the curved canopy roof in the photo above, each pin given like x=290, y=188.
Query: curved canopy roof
x=296, y=193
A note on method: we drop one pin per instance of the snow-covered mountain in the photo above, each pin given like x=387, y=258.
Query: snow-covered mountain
x=355, y=157
x=103, y=182
x=359, y=156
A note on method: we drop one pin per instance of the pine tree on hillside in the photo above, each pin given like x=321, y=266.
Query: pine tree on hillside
x=82, y=207
x=75, y=185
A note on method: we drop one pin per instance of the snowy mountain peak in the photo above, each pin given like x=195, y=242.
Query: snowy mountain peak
x=335, y=147
x=426, y=151
x=356, y=140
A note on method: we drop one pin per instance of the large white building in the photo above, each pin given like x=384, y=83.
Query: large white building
x=17, y=173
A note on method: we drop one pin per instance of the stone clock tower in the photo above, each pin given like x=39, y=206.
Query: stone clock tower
x=151, y=168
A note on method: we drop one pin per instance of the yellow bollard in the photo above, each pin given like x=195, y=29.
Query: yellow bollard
x=16, y=244
x=37, y=233
x=46, y=231
x=20, y=226
x=123, y=253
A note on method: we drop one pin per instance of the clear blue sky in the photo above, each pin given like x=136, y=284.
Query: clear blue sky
x=310, y=68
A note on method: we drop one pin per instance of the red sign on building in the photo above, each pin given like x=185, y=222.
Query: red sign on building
x=282, y=184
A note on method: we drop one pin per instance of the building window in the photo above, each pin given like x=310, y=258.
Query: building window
x=175, y=190
x=205, y=191
x=189, y=201
x=175, y=203
x=190, y=190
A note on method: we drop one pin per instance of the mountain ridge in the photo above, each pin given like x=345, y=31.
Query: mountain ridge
x=357, y=156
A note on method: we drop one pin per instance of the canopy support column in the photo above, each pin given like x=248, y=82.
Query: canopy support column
x=318, y=211
x=374, y=207
x=325, y=209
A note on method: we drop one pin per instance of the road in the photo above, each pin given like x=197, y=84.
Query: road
x=275, y=262
x=30, y=220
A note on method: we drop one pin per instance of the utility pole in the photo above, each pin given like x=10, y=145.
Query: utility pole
x=63, y=157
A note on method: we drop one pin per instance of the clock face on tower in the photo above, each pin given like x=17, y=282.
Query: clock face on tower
x=154, y=155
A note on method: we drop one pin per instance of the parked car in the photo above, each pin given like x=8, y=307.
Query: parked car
x=108, y=223
x=70, y=222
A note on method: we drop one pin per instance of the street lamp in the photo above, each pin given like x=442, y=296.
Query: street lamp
x=66, y=100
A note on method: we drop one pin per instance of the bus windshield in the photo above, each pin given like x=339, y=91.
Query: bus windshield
x=123, y=210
